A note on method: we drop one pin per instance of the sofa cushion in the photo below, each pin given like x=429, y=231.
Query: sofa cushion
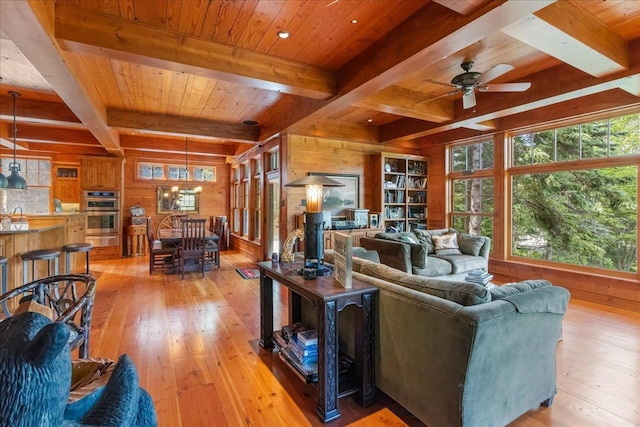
x=418, y=250
x=371, y=255
x=447, y=244
x=469, y=244
x=435, y=267
x=499, y=292
x=462, y=293
x=425, y=236
x=462, y=263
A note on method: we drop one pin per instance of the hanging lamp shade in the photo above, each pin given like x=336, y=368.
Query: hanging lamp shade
x=14, y=180
x=3, y=181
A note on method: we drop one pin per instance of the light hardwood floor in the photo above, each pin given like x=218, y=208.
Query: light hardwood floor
x=194, y=342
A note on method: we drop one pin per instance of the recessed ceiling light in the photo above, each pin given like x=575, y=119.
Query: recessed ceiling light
x=370, y=120
x=283, y=34
x=250, y=122
x=354, y=21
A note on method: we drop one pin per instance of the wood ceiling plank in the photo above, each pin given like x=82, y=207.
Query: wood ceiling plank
x=84, y=32
x=574, y=36
x=558, y=84
x=405, y=52
x=404, y=102
x=31, y=28
x=463, y=7
x=181, y=126
x=34, y=110
x=257, y=27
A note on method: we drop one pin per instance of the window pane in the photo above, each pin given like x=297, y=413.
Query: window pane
x=522, y=146
x=475, y=225
x=472, y=157
x=568, y=140
x=581, y=217
x=544, y=147
x=625, y=135
x=595, y=139
x=473, y=195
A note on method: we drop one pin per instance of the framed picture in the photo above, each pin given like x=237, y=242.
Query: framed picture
x=337, y=199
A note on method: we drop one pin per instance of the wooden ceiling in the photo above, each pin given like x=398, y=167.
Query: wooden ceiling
x=113, y=77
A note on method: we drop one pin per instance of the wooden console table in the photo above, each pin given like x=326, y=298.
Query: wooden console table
x=329, y=297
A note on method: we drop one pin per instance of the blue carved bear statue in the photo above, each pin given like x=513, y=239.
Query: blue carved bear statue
x=35, y=378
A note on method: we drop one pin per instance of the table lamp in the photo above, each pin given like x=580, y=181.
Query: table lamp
x=314, y=218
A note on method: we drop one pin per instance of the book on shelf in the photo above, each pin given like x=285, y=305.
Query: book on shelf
x=309, y=371
x=289, y=332
x=308, y=337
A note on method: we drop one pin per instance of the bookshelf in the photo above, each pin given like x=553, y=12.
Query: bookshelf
x=403, y=190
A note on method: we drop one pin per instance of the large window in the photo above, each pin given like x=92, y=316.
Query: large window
x=574, y=194
x=472, y=188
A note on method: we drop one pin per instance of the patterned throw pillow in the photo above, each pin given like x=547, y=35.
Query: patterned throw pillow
x=446, y=244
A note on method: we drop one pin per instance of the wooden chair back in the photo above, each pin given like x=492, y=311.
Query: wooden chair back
x=193, y=234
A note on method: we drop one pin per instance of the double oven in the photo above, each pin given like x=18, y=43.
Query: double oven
x=103, y=217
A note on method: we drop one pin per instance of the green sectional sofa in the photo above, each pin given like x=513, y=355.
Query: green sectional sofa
x=459, y=354
x=415, y=252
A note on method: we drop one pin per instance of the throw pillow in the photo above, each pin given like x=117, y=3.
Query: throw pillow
x=446, y=244
x=370, y=255
x=469, y=244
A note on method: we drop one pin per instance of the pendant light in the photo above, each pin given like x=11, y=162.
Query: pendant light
x=15, y=181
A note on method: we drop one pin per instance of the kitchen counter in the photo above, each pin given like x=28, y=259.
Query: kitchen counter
x=30, y=230
x=16, y=242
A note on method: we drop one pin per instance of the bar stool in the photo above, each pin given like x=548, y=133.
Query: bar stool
x=76, y=247
x=39, y=255
x=4, y=264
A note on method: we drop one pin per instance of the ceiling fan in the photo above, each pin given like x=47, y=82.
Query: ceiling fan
x=470, y=81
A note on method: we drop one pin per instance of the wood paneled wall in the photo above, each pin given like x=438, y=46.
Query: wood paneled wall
x=214, y=199
x=306, y=154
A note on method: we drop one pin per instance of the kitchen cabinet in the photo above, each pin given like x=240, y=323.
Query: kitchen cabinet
x=101, y=173
x=66, y=183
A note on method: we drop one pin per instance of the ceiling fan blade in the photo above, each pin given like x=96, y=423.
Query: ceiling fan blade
x=505, y=87
x=438, y=97
x=494, y=73
x=441, y=83
x=469, y=99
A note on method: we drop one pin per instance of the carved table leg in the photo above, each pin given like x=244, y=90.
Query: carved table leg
x=327, y=408
x=266, y=310
x=365, y=366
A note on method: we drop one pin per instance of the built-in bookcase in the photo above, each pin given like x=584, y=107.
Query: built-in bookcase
x=403, y=189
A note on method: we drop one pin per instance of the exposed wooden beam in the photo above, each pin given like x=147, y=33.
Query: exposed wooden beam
x=433, y=33
x=603, y=102
x=408, y=103
x=182, y=126
x=575, y=37
x=56, y=148
x=37, y=111
x=31, y=29
x=172, y=147
x=552, y=86
x=337, y=129
x=81, y=30
x=33, y=132
x=463, y=7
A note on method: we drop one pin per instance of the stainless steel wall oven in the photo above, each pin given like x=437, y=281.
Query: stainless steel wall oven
x=103, y=217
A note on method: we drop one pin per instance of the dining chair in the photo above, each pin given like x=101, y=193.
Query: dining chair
x=160, y=256
x=192, y=245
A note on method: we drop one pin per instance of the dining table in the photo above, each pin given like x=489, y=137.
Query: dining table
x=174, y=236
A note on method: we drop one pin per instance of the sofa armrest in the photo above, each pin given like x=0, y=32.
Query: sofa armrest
x=486, y=248
x=392, y=253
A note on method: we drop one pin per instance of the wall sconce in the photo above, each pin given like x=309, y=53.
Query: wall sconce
x=314, y=219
